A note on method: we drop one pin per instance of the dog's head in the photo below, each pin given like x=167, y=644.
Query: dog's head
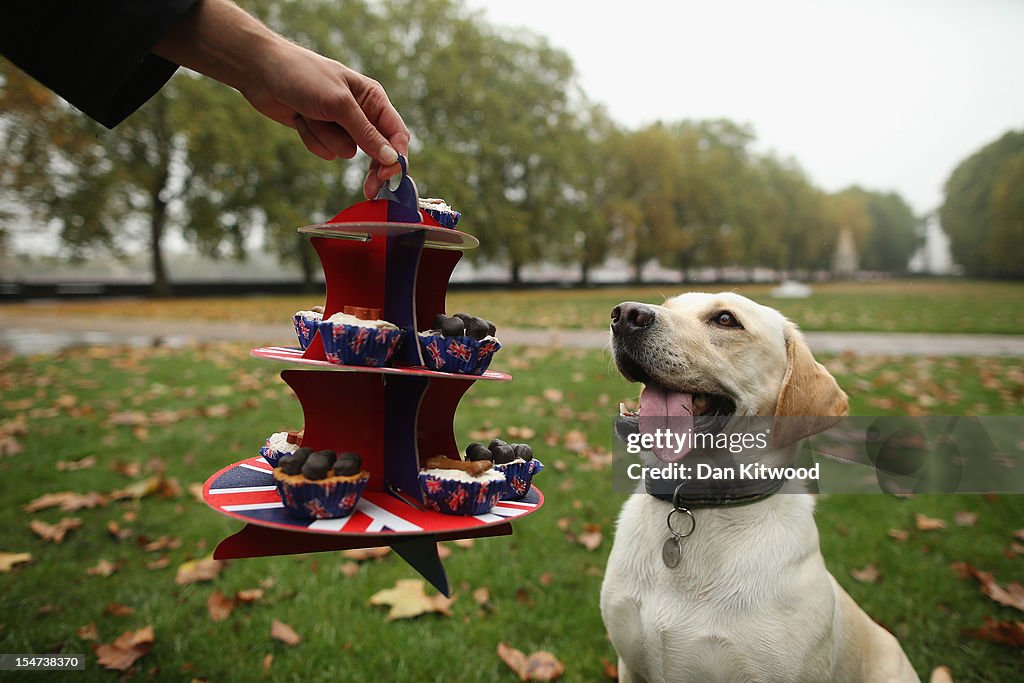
x=723, y=355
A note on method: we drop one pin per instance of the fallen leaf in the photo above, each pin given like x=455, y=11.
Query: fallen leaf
x=363, y=554
x=75, y=465
x=126, y=650
x=88, y=632
x=443, y=551
x=900, y=535
x=407, y=599
x=964, y=518
x=481, y=596
x=162, y=543
x=9, y=560
x=117, y=531
x=546, y=578
x=1010, y=595
x=285, y=633
x=925, y=523
x=349, y=569
x=268, y=660
x=156, y=485
x=194, y=571
x=102, y=568
x=869, y=574
x=941, y=674
x=524, y=433
x=219, y=606
x=196, y=491
x=54, y=532
x=161, y=562
x=249, y=595
x=575, y=441
x=1019, y=534
x=116, y=609
x=48, y=609
x=539, y=666
x=132, y=418
x=1014, y=549
x=464, y=543
x=552, y=394
x=1005, y=632
x=485, y=435
x=590, y=538
x=610, y=669
x=69, y=501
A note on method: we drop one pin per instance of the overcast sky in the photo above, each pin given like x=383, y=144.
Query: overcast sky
x=888, y=94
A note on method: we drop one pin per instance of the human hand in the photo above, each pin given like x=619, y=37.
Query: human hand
x=334, y=109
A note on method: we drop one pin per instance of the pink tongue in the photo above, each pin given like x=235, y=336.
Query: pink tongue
x=670, y=412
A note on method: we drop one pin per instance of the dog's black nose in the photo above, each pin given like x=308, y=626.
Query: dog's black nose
x=630, y=316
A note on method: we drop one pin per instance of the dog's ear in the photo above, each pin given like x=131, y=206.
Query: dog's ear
x=810, y=400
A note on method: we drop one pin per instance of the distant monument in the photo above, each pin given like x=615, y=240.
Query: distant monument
x=934, y=256
x=844, y=260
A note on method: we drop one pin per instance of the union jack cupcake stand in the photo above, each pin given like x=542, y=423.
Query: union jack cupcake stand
x=384, y=254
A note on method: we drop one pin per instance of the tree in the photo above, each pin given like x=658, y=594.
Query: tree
x=983, y=213
x=895, y=234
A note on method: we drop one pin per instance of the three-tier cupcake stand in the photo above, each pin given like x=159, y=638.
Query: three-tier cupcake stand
x=384, y=254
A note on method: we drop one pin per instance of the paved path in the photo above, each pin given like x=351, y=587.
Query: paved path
x=43, y=334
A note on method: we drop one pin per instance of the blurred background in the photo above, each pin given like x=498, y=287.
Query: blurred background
x=857, y=165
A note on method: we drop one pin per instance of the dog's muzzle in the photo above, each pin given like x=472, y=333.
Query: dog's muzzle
x=630, y=318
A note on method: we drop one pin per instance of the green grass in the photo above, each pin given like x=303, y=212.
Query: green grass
x=42, y=604
x=953, y=306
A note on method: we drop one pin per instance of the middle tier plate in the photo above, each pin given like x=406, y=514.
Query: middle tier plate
x=289, y=354
x=434, y=237
x=246, y=491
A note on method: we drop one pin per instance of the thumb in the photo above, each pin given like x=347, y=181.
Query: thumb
x=366, y=135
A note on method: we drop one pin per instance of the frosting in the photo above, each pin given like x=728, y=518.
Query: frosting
x=437, y=333
x=435, y=204
x=309, y=314
x=459, y=475
x=346, y=319
x=278, y=441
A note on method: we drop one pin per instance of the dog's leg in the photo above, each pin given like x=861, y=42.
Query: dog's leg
x=627, y=676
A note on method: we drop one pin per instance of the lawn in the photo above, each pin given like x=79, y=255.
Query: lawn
x=187, y=413
x=953, y=306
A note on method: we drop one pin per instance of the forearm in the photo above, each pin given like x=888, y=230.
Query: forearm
x=220, y=40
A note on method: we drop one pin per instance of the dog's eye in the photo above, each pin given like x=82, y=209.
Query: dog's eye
x=726, y=319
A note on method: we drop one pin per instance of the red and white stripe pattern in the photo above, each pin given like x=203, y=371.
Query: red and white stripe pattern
x=247, y=490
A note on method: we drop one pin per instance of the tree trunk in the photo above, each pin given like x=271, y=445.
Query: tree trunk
x=515, y=272
x=306, y=263
x=638, y=270
x=158, y=223
x=584, y=273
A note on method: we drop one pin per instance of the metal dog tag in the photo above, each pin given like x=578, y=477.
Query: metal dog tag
x=671, y=552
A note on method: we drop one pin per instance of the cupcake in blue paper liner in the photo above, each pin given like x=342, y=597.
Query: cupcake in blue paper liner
x=349, y=340
x=439, y=210
x=279, y=444
x=518, y=477
x=460, y=491
x=320, y=484
x=306, y=323
x=461, y=343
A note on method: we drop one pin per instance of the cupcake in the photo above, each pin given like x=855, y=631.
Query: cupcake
x=514, y=460
x=279, y=444
x=461, y=344
x=306, y=323
x=350, y=340
x=439, y=210
x=458, y=487
x=320, y=484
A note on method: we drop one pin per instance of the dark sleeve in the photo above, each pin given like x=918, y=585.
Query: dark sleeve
x=96, y=54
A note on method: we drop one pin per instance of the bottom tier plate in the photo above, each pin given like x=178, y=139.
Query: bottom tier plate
x=246, y=491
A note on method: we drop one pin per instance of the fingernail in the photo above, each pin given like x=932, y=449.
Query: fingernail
x=388, y=155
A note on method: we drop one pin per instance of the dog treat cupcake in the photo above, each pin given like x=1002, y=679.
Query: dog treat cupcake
x=352, y=340
x=306, y=323
x=461, y=343
x=514, y=460
x=280, y=444
x=439, y=210
x=460, y=487
x=320, y=484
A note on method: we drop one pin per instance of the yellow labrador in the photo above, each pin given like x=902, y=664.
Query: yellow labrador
x=749, y=597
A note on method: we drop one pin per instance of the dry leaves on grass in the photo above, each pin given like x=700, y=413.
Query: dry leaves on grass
x=117, y=531
x=54, y=532
x=408, y=599
x=538, y=666
x=964, y=518
x=1004, y=632
x=590, y=538
x=85, y=463
x=103, y=568
x=575, y=441
x=68, y=501
x=88, y=632
x=925, y=523
x=941, y=674
x=900, y=535
x=221, y=606
x=116, y=609
x=610, y=669
x=363, y=554
x=126, y=650
x=1010, y=595
x=869, y=574
x=158, y=485
x=9, y=560
x=194, y=571
x=285, y=633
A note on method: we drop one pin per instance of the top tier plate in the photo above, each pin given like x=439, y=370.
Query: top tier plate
x=434, y=237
